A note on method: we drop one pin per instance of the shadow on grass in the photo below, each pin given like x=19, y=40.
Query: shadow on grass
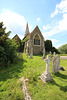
x=13, y=70
x=61, y=75
x=63, y=88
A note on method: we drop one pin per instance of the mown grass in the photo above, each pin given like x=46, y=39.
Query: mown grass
x=32, y=69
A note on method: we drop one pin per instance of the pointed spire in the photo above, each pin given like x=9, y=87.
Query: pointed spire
x=27, y=29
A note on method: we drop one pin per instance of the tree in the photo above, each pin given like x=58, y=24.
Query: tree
x=48, y=45
x=55, y=50
x=63, y=49
x=7, y=47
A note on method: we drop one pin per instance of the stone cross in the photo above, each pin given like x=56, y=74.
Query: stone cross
x=55, y=64
x=46, y=76
x=48, y=60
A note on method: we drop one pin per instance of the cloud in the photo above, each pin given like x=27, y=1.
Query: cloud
x=57, y=46
x=14, y=22
x=60, y=8
x=60, y=25
x=63, y=23
x=38, y=19
x=45, y=28
x=54, y=13
x=54, y=30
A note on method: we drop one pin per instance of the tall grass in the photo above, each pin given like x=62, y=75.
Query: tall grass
x=32, y=69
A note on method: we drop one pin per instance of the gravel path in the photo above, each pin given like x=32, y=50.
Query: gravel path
x=63, y=57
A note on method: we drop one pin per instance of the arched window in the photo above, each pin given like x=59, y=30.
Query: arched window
x=36, y=40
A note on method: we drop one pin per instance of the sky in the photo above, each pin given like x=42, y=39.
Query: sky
x=49, y=15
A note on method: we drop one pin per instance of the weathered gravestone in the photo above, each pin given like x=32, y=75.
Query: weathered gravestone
x=55, y=64
x=31, y=52
x=27, y=50
x=46, y=76
x=54, y=54
x=43, y=53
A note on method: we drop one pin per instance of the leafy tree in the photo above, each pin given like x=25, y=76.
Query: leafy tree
x=63, y=49
x=23, y=43
x=55, y=50
x=7, y=47
x=48, y=45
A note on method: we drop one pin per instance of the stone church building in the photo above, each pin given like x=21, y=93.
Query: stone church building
x=34, y=40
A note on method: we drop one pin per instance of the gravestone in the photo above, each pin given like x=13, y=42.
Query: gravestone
x=27, y=50
x=55, y=64
x=54, y=54
x=43, y=53
x=46, y=76
x=31, y=52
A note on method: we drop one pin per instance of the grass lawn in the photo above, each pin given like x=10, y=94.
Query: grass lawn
x=32, y=69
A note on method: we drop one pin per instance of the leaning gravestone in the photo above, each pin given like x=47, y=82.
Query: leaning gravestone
x=55, y=64
x=46, y=76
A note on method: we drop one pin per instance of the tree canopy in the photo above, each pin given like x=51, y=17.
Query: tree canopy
x=63, y=49
x=7, y=47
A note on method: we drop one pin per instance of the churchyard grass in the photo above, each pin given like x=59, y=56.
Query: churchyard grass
x=32, y=69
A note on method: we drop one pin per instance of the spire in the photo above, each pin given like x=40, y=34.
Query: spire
x=27, y=29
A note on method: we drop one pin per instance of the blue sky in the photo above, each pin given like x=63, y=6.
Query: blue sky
x=49, y=15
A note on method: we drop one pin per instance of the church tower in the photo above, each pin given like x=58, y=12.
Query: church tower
x=27, y=30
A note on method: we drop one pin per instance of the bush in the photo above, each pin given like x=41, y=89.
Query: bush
x=7, y=47
x=3, y=58
x=10, y=50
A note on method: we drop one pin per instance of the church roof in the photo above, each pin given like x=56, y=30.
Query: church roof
x=16, y=36
x=36, y=28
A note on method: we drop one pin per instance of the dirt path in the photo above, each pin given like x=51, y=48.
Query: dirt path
x=63, y=57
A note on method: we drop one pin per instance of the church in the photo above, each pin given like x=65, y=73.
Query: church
x=34, y=40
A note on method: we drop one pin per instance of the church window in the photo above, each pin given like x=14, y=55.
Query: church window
x=36, y=40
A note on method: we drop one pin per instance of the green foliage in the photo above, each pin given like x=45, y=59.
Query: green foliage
x=10, y=50
x=3, y=34
x=55, y=50
x=17, y=40
x=23, y=43
x=32, y=69
x=7, y=47
x=3, y=58
x=48, y=45
x=63, y=49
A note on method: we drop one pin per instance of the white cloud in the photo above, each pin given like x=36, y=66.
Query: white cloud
x=52, y=31
x=14, y=22
x=63, y=23
x=54, y=13
x=60, y=25
x=45, y=28
x=60, y=8
x=57, y=46
x=38, y=19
